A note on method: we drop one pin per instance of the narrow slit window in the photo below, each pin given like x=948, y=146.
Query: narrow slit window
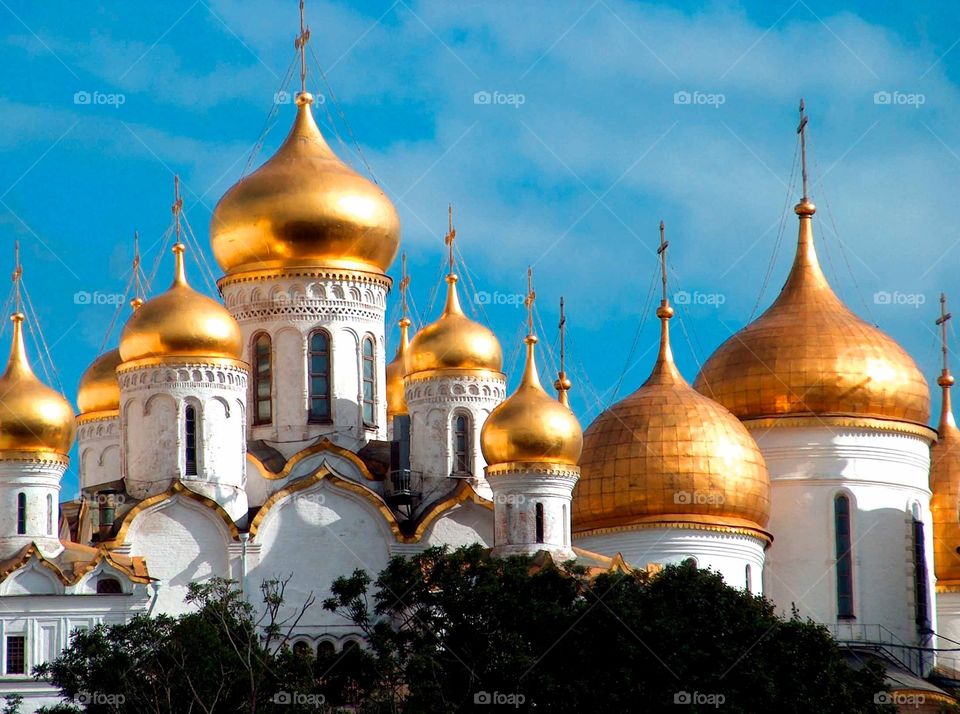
x=539, y=510
x=190, y=441
x=841, y=517
x=263, y=379
x=21, y=513
x=49, y=514
x=461, y=445
x=320, y=411
x=369, y=381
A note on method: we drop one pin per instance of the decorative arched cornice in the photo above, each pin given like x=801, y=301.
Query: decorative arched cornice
x=178, y=489
x=323, y=473
x=135, y=570
x=463, y=492
x=322, y=445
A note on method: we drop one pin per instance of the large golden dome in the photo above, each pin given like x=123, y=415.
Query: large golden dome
x=530, y=426
x=809, y=354
x=99, y=390
x=304, y=208
x=666, y=454
x=35, y=421
x=181, y=323
x=945, y=485
x=396, y=399
x=453, y=342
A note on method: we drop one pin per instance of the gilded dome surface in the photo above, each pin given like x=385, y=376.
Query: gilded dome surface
x=396, y=399
x=945, y=485
x=454, y=341
x=181, y=323
x=305, y=207
x=99, y=389
x=809, y=354
x=34, y=419
x=668, y=454
x=530, y=426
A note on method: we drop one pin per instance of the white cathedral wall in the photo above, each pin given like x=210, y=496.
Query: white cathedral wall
x=884, y=474
x=98, y=443
x=726, y=553
x=289, y=307
x=314, y=536
x=154, y=401
x=433, y=402
x=39, y=481
x=183, y=542
x=465, y=524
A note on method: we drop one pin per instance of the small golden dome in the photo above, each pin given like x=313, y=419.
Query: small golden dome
x=396, y=399
x=181, y=323
x=99, y=390
x=304, y=207
x=809, y=354
x=945, y=485
x=34, y=419
x=453, y=342
x=668, y=454
x=530, y=426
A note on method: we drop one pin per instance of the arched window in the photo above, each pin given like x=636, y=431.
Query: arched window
x=109, y=586
x=369, y=381
x=461, y=445
x=190, y=441
x=566, y=526
x=922, y=597
x=539, y=518
x=319, y=377
x=21, y=513
x=841, y=520
x=262, y=379
x=350, y=645
x=49, y=514
x=326, y=647
x=302, y=648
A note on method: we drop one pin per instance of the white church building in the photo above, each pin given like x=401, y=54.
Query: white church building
x=269, y=435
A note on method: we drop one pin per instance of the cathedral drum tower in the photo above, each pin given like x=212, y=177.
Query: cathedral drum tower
x=840, y=412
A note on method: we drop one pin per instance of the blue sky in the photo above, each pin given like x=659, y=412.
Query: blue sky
x=571, y=173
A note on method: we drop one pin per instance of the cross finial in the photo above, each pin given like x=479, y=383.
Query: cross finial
x=138, y=291
x=451, y=235
x=177, y=205
x=942, y=323
x=563, y=384
x=404, y=284
x=529, y=300
x=301, y=44
x=662, y=252
x=802, y=131
x=17, y=276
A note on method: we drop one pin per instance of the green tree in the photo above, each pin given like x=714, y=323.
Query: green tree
x=449, y=631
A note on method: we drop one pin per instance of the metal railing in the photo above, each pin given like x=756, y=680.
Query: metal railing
x=877, y=638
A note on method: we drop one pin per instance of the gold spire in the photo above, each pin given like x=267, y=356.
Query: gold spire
x=945, y=380
x=396, y=398
x=453, y=342
x=34, y=419
x=530, y=426
x=667, y=454
x=809, y=354
x=563, y=384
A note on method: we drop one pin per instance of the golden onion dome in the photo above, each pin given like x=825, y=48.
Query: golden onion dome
x=945, y=486
x=181, y=323
x=305, y=207
x=530, y=426
x=396, y=399
x=99, y=389
x=808, y=354
x=35, y=420
x=667, y=454
x=453, y=342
